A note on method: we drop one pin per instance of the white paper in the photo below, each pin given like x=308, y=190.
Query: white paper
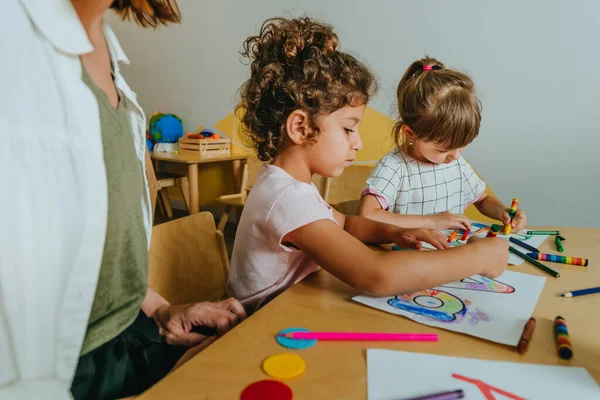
x=396, y=375
x=532, y=240
x=492, y=309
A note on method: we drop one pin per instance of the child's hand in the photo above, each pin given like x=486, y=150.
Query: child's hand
x=518, y=222
x=412, y=238
x=447, y=220
x=491, y=254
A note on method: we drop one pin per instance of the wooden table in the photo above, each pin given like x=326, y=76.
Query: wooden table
x=338, y=370
x=237, y=157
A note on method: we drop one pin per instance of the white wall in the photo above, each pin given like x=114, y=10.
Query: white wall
x=536, y=65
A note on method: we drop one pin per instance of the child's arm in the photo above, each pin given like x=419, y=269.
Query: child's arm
x=370, y=208
x=391, y=273
x=374, y=232
x=491, y=207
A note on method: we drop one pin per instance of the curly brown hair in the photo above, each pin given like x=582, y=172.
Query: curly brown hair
x=438, y=104
x=148, y=12
x=295, y=64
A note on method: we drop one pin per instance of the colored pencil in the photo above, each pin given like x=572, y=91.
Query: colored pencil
x=408, y=337
x=582, y=292
x=453, y=395
x=543, y=232
x=478, y=231
x=534, y=262
x=559, y=259
x=523, y=244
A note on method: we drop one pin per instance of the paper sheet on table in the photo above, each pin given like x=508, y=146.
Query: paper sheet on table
x=394, y=375
x=491, y=309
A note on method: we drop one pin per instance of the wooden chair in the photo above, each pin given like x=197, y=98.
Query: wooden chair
x=163, y=180
x=188, y=260
x=238, y=200
x=343, y=192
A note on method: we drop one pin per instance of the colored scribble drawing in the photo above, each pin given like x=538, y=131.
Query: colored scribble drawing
x=477, y=316
x=431, y=303
x=486, y=389
x=481, y=284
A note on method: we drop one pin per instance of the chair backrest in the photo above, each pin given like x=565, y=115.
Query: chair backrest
x=347, y=186
x=188, y=260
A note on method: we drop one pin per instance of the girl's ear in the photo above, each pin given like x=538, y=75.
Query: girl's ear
x=408, y=134
x=298, y=126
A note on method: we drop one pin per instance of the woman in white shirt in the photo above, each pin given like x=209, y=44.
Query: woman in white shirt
x=57, y=207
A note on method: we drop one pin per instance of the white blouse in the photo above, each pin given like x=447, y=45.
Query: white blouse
x=53, y=197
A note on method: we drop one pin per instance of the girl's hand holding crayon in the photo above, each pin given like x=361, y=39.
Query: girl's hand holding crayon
x=412, y=238
x=518, y=222
x=447, y=220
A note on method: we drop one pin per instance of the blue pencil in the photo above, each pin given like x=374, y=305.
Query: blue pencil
x=524, y=245
x=581, y=292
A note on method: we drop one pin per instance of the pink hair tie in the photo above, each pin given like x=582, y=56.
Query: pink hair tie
x=427, y=68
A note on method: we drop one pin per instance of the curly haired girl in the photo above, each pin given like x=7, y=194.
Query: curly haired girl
x=302, y=108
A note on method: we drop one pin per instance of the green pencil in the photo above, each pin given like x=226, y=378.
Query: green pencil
x=534, y=262
x=543, y=232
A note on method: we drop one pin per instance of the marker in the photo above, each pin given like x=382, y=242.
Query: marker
x=534, y=262
x=494, y=229
x=582, y=292
x=559, y=259
x=375, y=336
x=453, y=395
x=523, y=244
x=526, y=337
x=452, y=236
x=558, y=241
x=543, y=232
x=561, y=334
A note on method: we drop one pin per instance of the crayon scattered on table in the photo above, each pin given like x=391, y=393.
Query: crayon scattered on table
x=534, y=262
x=526, y=336
x=559, y=259
x=523, y=244
x=561, y=334
x=558, y=241
x=493, y=232
x=582, y=292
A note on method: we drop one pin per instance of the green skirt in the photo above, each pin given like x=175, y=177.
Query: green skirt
x=126, y=365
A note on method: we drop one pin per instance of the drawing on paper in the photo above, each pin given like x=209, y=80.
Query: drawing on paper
x=431, y=303
x=481, y=284
x=446, y=307
x=478, y=315
x=486, y=389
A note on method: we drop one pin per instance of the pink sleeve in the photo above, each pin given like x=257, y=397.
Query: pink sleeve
x=380, y=198
x=299, y=205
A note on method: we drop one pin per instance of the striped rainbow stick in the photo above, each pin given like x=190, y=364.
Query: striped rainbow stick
x=561, y=334
x=559, y=259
